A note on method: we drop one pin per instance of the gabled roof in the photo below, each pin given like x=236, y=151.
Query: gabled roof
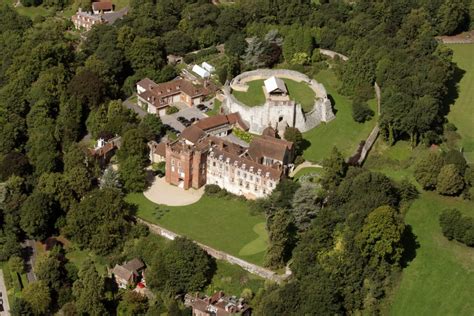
x=274, y=84
x=134, y=265
x=266, y=146
x=102, y=6
x=192, y=133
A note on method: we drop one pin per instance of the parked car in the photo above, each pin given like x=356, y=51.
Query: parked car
x=181, y=119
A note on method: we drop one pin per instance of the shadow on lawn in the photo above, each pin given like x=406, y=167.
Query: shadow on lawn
x=410, y=245
x=453, y=90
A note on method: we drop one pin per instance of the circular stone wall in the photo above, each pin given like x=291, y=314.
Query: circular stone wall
x=278, y=113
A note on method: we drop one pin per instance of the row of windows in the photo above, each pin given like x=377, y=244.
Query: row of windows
x=245, y=175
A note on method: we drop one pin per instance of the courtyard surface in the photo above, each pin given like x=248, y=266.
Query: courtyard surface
x=164, y=193
x=300, y=92
x=224, y=224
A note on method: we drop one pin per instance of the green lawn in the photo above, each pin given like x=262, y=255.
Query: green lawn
x=343, y=131
x=440, y=279
x=232, y=279
x=298, y=91
x=215, y=110
x=220, y=223
x=254, y=95
x=462, y=112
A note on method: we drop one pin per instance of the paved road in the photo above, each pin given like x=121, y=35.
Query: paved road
x=129, y=104
x=3, y=290
x=29, y=246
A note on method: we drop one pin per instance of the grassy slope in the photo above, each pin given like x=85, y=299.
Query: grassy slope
x=232, y=279
x=440, y=280
x=462, y=112
x=298, y=91
x=342, y=132
x=220, y=223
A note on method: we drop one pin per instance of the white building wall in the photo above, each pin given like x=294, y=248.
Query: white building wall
x=237, y=180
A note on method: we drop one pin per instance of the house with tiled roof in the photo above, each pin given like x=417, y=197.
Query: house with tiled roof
x=203, y=156
x=218, y=304
x=129, y=273
x=155, y=98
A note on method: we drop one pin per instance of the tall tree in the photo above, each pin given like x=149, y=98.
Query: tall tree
x=38, y=296
x=38, y=215
x=281, y=234
x=89, y=291
x=427, y=170
x=449, y=181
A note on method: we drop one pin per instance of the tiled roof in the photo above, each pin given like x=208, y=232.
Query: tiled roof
x=266, y=146
x=192, y=133
x=166, y=89
x=102, y=5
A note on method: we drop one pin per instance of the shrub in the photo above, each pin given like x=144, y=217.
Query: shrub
x=171, y=110
x=456, y=226
x=450, y=127
x=361, y=112
x=243, y=135
x=449, y=181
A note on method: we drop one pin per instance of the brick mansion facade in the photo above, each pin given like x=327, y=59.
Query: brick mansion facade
x=204, y=155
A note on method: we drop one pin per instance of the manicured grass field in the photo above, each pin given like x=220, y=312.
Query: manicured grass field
x=298, y=91
x=342, y=132
x=440, y=279
x=462, y=112
x=254, y=95
x=220, y=223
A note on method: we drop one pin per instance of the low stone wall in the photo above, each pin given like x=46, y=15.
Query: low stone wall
x=239, y=83
x=220, y=255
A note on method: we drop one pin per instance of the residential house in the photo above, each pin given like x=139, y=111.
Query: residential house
x=102, y=14
x=155, y=98
x=129, y=273
x=102, y=7
x=218, y=304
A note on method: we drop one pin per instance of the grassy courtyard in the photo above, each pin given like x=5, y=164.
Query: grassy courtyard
x=298, y=91
x=343, y=131
x=223, y=224
x=462, y=112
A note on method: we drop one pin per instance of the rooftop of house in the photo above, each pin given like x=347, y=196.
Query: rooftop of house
x=157, y=93
x=128, y=269
x=271, y=147
x=218, y=304
x=102, y=6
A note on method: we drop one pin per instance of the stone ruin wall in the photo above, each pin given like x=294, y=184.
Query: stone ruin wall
x=259, y=117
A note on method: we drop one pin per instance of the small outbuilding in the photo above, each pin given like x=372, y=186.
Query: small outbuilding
x=275, y=86
x=208, y=67
x=203, y=73
x=128, y=274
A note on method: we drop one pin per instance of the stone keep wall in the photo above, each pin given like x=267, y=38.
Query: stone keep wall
x=260, y=117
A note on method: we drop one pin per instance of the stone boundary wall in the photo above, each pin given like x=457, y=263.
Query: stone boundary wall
x=368, y=144
x=220, y=255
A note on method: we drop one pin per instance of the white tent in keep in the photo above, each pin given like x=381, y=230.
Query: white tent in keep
x=275, y=85
x=203, y=73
